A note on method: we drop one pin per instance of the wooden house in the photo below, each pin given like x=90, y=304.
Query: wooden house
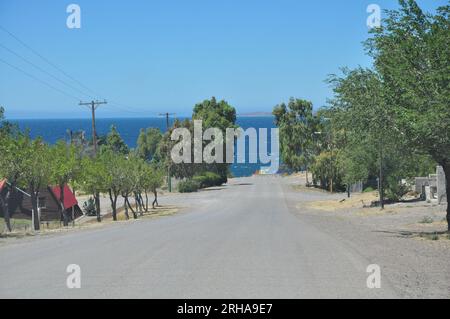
x=20, y=203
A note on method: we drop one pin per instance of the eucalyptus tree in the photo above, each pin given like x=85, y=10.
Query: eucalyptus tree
x=297, y=125
x=215, y=114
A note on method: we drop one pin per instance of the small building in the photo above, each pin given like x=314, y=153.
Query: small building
x=49, y=206
x=433, y=187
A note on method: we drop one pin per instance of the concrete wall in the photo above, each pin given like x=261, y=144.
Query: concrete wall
x=420, y=182
x=435, y=184
x=441, y=191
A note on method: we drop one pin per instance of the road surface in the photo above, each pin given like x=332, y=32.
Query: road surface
x=239, y=241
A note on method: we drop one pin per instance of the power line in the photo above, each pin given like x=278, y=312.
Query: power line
x=126, y=108
x=39, y=80
x=43, y=71
x=45, y=59
x=114, y=104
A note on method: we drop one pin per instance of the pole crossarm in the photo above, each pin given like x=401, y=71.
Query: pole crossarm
x=93, y=106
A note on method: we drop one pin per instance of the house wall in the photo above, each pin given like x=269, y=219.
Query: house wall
x=21, y=204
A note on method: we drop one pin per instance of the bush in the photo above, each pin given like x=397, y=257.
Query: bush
x=368, y=189
x=188, y=186
x=395, y=191
x=209, y=179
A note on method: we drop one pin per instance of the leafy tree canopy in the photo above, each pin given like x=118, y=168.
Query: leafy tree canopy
x=115, y=142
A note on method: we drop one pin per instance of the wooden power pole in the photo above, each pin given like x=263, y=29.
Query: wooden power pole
x=93, y=106
x=169, y=182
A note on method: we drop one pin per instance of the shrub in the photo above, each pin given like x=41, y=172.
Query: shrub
x=202, y=180
x=395, y=191
x=368, y=189
x=209, y=179
x=188, y=186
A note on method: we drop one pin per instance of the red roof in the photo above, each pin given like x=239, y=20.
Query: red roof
x=2, y=184
x=69, y=198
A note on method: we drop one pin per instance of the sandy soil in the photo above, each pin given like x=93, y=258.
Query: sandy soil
x=408, y=240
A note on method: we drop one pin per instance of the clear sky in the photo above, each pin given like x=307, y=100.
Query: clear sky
x=147, y=57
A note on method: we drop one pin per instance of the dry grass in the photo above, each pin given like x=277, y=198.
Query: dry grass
x=160, y=211
x=56, y=227
x=355, y=201
x=436, y=236
x=376, y=211
x=427, y=226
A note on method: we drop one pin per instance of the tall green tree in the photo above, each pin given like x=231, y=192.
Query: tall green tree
x=115, y=142
x=213, y=114
x=297, y=125
x=220, y=115
x=411, y=52
x=362, y=110
x=147, y=143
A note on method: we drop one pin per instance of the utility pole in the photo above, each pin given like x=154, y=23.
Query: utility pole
x=330, y=141
x=169, y=182
x=167, y=119
x=93, y=105
x=381, y=178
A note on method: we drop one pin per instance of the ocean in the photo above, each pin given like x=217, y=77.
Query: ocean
x=52, y=130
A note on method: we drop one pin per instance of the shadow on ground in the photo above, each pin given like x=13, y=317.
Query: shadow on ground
x=414, y=234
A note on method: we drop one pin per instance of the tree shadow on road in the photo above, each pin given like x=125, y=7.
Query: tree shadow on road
x=415, y=234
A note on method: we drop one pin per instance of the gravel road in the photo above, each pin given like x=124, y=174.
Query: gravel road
x=248, y=239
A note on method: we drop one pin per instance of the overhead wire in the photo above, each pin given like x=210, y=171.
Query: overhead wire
x=111, y=103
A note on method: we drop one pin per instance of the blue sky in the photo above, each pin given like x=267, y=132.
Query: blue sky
x=148, y=57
